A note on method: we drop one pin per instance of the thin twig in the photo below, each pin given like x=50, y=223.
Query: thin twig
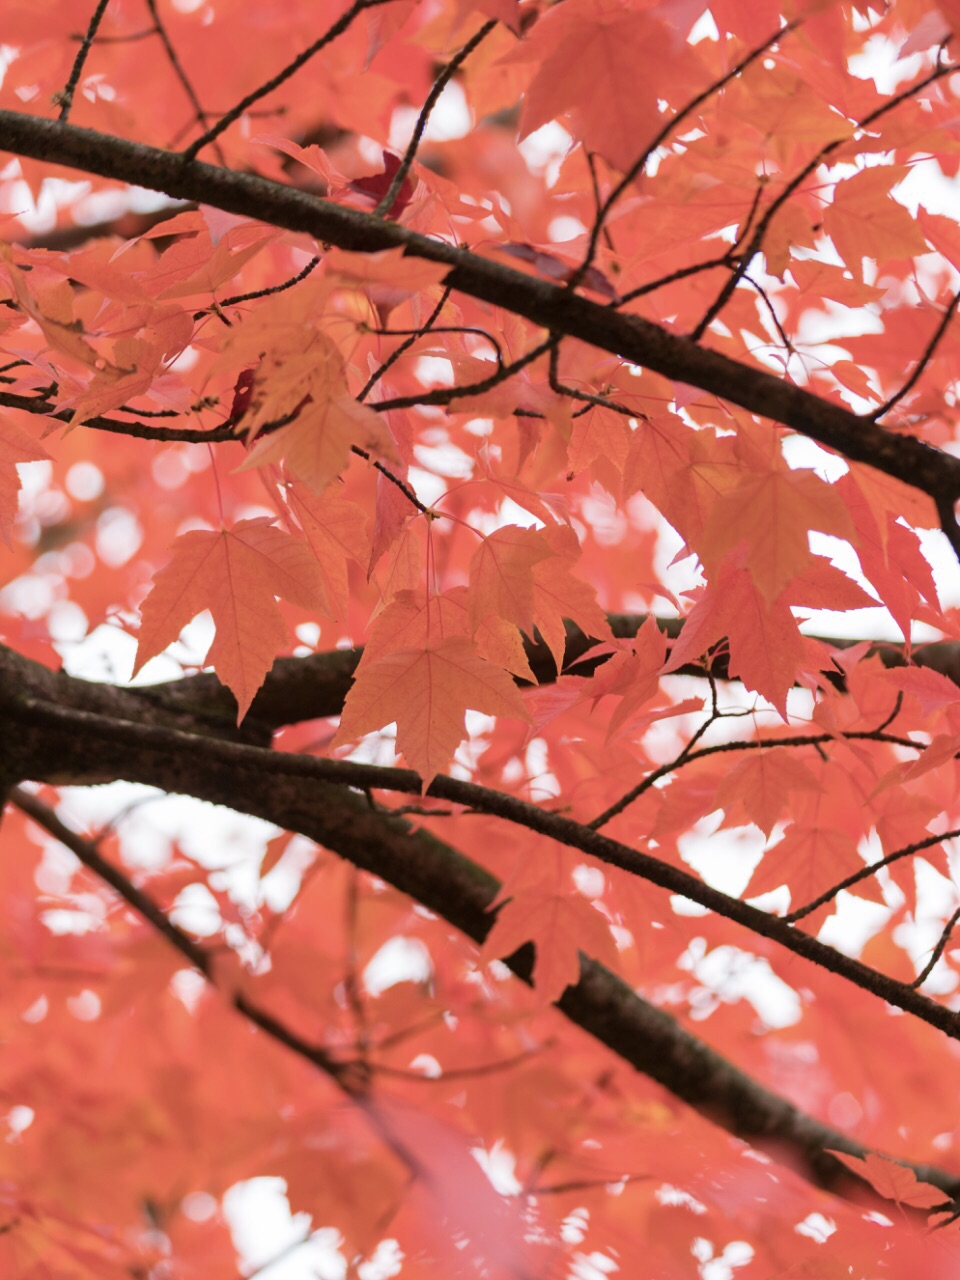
x=443, y=79
x=924, y=360
x=445, y=395
x=343, y=1074
x=598, y=205
x=571, y=393
x=681, y=274
x=405, y=346
x=66, y=94
x=228, y=118
x=888, y=721
x=654, y=776
x=394, y=479
x=938, y=950
x=463, y=1073
x=759, y=235
x=200, y=115
x=788, y=345
x=274, y=288
x=93, y=860
x=640, y=164
x=865, y=873
x=797, y=740
x=443, y=328
x=133, y=38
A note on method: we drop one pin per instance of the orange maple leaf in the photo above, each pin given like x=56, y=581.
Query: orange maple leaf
x=409, y=621
x=16, y=445
x=237, y=574
x=759, y=787
x=427, y=691
x=557, y=594
x=893, y=1181
x=522, y=576
x=633, y=674
x=772, y=511
x=809, y=859
x=501, y=575
x=766, y=647
x=682, y=471
x=316, y=445
x=336, y=530
x=864, y=221
x=561, y=925
x=599, y=60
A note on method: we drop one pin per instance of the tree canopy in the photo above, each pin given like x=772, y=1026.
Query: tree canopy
x=509, y=451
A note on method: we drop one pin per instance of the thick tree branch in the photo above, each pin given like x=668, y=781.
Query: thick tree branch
x=550, y=306
x=310, y=688
x=55, y=743
x=461, y=892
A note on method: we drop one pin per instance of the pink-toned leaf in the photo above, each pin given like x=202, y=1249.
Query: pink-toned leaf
x=236, y=573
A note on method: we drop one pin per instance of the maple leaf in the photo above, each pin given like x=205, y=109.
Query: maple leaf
x=893, y=1181
x=766, y=647
x=864, y=221
x=388, y=277
x=584, y=44
x=200, y=264
x=561, y=925
x=809, y=859
x=376, y=186
x=633, y=675
x=236, y=573
x=760, y=786
x=600, y=433
x=16, y=445
x=410, y=620
x=329, y=422
x=427, y=692
x=683, y=472
x=555, y=268
x=779, y=156
x=557, y=594
x=522, y=576
x=501, y=575
x=772, y=512
x=336, y=531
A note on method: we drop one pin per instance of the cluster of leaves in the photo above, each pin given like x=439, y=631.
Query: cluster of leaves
x=507, y=385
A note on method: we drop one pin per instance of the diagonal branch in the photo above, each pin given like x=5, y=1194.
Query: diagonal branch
x=925, y=358
x=315, y=686
x=385, y=206
x=641, y=162
x=199, y=115
x=342, y=1073
x=600, y=1003
x=755, y=245
x=66, y=95
x=235, y=112
x=553, y=307
x=52, y=744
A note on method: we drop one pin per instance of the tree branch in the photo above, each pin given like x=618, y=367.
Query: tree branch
x=235, y=112
x=52, y=744
x=419, y=864
x=553, y=307
x=310, y=688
